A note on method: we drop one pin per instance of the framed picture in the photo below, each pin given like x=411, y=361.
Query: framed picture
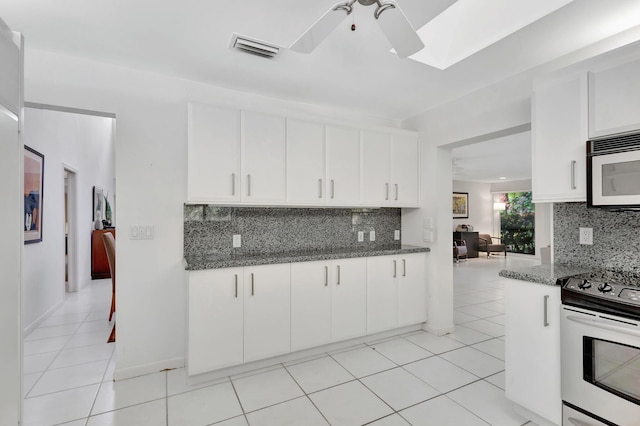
x=33, y=195
x=98, y=202
x=460, y=205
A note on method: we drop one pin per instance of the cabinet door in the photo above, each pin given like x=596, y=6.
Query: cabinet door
x=343, y=166
x=376, y=183
x=305, y=162
x=412, y=289
x=213, y=154
x=530, y=342
x=349, y=299
x=404, y=170
x=559, y=135
x=263, y=158
x=267, y=311
x=215, y=320
x=310, y=304
x=614, y=99
x=382, y=293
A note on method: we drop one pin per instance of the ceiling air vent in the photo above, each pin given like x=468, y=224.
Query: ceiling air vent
x=254, y=47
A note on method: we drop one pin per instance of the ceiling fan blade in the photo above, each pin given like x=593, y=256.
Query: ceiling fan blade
x=317, y=32
x=399, y=31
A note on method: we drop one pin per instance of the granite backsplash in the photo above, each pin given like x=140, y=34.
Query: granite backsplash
x=616, y=238
x=209, y=229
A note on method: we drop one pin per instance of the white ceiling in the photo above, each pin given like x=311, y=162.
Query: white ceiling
x=349, y=70
x=508, y=157
x=354, y=70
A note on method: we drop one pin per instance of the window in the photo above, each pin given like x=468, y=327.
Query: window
x=517, y=222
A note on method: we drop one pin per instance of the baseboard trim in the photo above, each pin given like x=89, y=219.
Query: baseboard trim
x=141, y=370
x=298, y=355
x=42, y=318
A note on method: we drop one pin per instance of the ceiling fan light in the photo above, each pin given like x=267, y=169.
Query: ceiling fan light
x=321, y=29
x=398, y=30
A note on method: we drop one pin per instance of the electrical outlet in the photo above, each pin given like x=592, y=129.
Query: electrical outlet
x=396, y=234
x=237, y=241
x=360, y=236
x=586, y=236
x=372, y=235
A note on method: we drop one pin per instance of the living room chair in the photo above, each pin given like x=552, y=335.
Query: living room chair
x=485, y=243
x=459, y=250
x=110, y=248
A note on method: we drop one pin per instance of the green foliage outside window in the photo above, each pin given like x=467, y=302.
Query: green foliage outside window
x=517, y=222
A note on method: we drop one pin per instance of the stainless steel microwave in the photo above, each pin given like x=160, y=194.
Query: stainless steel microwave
x=613, y=172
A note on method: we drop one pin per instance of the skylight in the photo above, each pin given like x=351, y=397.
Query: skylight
x=469, y=26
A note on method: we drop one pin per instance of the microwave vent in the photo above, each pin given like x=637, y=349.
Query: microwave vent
x=253, y=47
x=618, y=143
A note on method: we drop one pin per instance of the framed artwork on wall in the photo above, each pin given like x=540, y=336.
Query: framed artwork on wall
x=33, y=195
x=98, y=202
x=460, y=205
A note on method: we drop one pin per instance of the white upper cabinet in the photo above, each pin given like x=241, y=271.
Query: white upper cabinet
x=614, y=98
x=389, y=169
x=405, y=159
x=306, y=165
x=559, y=134
x=263, y=158
x=376, y=168
x=213, y=154
x=343, y=165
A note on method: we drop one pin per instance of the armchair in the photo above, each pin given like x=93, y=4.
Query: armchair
x=485, y=243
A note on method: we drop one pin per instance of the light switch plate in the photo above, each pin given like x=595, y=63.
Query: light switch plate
x=360, y=236
x=237, y=241
x=372, y=235
x=396, y=234
x=141, y=232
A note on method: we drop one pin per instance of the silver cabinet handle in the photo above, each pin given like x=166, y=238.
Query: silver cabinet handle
x=233, y=184
x=338, y=281
x=252, y=283
x=386, y=197
x=404, y=268
x=396, y=192
x=573, y=174
x=326, y=276
x=546, y=310
x=236, y=275
x=394, y=268
x=249, y=185
x=319, y=188
x=333, y=188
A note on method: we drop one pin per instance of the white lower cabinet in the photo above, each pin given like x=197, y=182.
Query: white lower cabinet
x=396, y=291
x=267, y=311
x=328, y=302
x=239, y=315
x=215, y=322
x=532, y=348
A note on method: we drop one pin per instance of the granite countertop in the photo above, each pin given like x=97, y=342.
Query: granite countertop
x=216, y=261
x=545, y=274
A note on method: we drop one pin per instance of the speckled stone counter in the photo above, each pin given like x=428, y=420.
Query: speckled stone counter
x=545, y=274
x=213, y=261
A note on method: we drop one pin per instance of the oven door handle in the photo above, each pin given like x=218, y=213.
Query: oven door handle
x=605, y=325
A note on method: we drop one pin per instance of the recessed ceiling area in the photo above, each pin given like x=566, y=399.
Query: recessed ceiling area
x=488, y=161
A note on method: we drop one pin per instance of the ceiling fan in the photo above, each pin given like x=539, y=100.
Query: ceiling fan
x=388, y=14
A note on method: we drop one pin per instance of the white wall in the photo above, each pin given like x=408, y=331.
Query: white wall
x=480, y=206
x=150, y=146
x=83, y=143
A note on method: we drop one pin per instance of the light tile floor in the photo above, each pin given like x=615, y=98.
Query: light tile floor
x=412, y=379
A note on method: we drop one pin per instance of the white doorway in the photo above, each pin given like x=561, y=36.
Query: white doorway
x=70, y=229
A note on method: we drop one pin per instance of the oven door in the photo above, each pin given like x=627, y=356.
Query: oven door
x=615, y=179
x=601, y=364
